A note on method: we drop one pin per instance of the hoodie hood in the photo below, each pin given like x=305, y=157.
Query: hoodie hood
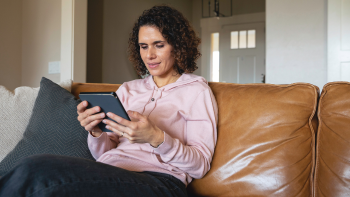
x=183, y=80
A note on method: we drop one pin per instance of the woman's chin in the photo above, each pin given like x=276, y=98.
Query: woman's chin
x=154, y=73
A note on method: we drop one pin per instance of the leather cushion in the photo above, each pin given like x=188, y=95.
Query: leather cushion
x=265, y=141
x=332, y=173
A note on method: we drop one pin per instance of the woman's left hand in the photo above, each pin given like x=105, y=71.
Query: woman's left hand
x=139, y=130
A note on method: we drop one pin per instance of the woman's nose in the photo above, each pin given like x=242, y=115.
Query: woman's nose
x=151, y=53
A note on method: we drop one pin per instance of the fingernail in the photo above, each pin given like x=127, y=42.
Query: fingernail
x=102, y=115
x=97, y=109
x=109, y=114
x=107, y=127
x=85, y=103
x=104, y=121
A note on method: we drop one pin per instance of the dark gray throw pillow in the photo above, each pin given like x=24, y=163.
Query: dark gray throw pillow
x=52, y=129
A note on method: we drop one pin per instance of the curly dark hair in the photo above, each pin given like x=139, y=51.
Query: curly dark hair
x=178, y=32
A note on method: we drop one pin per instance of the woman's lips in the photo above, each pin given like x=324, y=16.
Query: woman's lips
x=153, y=65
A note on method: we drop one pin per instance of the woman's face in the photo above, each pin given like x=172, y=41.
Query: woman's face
x=156, y=52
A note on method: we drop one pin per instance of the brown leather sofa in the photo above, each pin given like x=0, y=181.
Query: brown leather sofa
x=275, y=140
x=332, y=169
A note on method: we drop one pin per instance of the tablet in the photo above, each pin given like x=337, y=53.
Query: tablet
x=108, y=102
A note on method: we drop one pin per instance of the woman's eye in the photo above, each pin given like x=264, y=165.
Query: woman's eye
x=143, y=47
x=160, y=46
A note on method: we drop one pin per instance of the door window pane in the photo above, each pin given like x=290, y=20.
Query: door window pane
x=234, y=39
x=243, y=39
x=251, y=38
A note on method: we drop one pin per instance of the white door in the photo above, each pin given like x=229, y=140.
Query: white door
x=338, y=54
x=242, y=53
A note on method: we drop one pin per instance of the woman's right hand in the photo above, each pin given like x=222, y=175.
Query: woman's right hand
x=89, y=118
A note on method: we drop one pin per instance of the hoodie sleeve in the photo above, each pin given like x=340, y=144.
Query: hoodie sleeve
x=201, y=128
x=102, y=144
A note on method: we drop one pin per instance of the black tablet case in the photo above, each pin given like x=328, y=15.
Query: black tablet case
x=108, y=102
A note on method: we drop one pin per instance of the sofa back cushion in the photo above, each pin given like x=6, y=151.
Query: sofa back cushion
x=265, y=141
x=332, y=173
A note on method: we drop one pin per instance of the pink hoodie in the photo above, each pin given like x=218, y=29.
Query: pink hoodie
x=187, y=113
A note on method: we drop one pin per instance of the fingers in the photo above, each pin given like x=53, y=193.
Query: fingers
x=92, y=125
x=134, y=131
x=82, y=106
x=113, y=125
x=135, y=115
x=131, y=139
x=120, y=120
x=88, y=112
x=122, y=131
x=91, y=118
x=118, y=132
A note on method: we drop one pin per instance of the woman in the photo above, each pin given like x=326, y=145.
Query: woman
x=172, y=135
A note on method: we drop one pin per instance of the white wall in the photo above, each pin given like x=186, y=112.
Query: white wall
x=118, y=20
x=41, y=40
x=10, y=43
x=30, y=33
x=296, y=42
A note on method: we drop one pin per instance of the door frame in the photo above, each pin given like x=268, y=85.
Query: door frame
x=73, y=40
